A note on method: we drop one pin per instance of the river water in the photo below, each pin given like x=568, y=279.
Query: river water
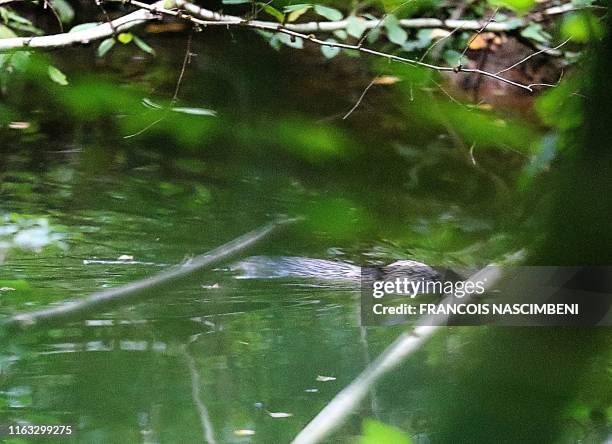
x=238, y=360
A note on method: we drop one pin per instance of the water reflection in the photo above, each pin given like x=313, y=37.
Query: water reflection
x=106, y=375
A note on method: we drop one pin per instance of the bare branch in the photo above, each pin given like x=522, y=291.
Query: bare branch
x=360, y=99
x=475, y=36
x=48, y=5
x=543, y=50
x=186, y=61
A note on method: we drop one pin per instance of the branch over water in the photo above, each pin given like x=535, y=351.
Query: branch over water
x=140, y=290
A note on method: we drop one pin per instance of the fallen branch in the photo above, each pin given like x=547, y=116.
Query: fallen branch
x=344, y=403
x=139, y=290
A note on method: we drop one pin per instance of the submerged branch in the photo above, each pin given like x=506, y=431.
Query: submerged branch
x=142, y=289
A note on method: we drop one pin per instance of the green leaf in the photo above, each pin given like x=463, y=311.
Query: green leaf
x=63, y=9
x=351, y=53
x=293, y=8
x=296, y=11
x=267, y=35
x=15, y=21
x=376, y=432
x=355, y=26
x=330, y=51
x=373, y=35
x=20, y=60
x=454, y=58
x=341, y=34
x=26, y=28
x=423, y=40
x=271, y=10
x=327, y=12
x=57, y=76
x=514, y=23
x=582, y=3
x=6, y=32
x=582, y=27
x=235, y=2
x=125, y=37
x=516, y=5
x=288, y=40
x=275, y=42
x=105, y=46
x=9, y=15
x=395, y=33
x=535, y=32
x=143, y=45
x=84, y=26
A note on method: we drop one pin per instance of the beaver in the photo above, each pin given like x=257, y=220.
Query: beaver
x=295, y=267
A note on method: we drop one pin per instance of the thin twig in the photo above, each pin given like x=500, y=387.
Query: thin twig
x=475, y=36
x=174, y=99
x=548, y=84
x=532, y=55
x=186, y=60
x=147, y=128
x=48, y=4
x=437, y=42
x=447, y=94
x=361, y=97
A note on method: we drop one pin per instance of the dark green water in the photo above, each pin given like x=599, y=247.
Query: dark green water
x=377, y=187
